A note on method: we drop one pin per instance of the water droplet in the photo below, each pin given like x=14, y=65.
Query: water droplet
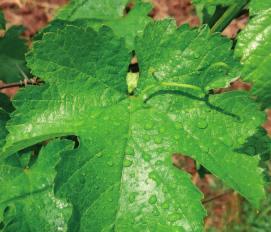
x=173, y=217
x=158, y=140
x=162, y=129
x=146, y=157
x=152, y=199
x=155, y=211
x=99, y=155
x=110, y=163
x=146, y=138
x=228, y=141
x=177, y=137
x=205, y=148
x=158, y=162
x=165, y=205
x=127, y=163
x=132, y=197
x=154, y=177
x=148, y=125
x=202, y=124
x=130, y=151
x=196, y=55
x=240, y=141
x=110, y=199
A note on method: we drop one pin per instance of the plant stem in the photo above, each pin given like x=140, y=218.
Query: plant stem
x=32, y=81
x=228, y=16
x=217, y=197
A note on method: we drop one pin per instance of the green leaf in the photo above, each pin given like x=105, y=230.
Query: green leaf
x=4, y=117
x=209, y=66
x=256, y=6
x=2, y=21
x=127, y=26
x=28, y=203
x=5, y=103
x=106, y=9
x=12, y=55
x=121, y=175
x=253, y=48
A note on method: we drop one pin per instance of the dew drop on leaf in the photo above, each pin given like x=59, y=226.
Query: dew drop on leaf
x=240, y=141
x=177, y=137
x=153, y=176
x=205, y=148
x=152, y=199
x=165, y=205
x=110, y=163
x=130, y=151
x=158, y=140
x=162, y=129
x=148, y=125
x=99, y=155
x=155, y=212
x=173, y=217
x=146, y=157
x=202, y=124
x=127, y=163
x=132, y=197
x=158, y=162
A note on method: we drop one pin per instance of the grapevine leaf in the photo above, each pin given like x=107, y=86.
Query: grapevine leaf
x=253, y=48
x=189, y=61
x=106, y=9
x=128, y=26
x=12, y=55
x=121, y=176
x=28, y=193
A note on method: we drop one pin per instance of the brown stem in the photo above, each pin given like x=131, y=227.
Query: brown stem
x=217, y=197
x=32, y=81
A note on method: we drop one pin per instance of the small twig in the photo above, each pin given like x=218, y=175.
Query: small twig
x=32, y=81
x=217, y=197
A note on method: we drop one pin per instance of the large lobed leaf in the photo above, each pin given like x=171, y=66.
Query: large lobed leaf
x=27, y=200
x=121, y=176
x=254, y=44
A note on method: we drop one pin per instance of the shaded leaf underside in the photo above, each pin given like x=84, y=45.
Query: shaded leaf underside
x=12, y=55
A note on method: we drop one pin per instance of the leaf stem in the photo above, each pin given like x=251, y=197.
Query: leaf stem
x=228, y=16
